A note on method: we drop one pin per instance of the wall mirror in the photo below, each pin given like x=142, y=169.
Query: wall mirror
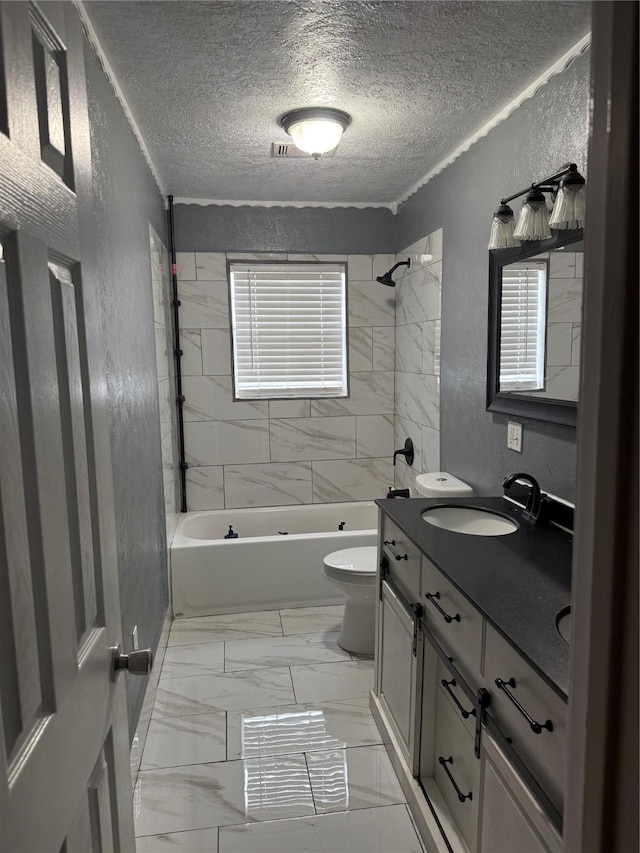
x=535, y=317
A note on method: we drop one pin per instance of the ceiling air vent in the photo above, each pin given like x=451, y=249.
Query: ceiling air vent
x=287, y=150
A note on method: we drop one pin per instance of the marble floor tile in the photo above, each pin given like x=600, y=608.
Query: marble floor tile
x=300, y=728
x=202, y=694
x=194, y=841
x=283, y=651
x=175, y=741
x=359, y=778
x=230, y=626
x=318, y=682
x=383, y=830
x=196, y=659
x=302, y=620
x=225, y=793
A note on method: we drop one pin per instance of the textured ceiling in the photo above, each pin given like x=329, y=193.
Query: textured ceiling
x=206, y=82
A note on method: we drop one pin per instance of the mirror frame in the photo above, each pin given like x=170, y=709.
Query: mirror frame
x=523, y=405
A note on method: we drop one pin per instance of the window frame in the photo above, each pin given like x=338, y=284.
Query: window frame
x=286, y=262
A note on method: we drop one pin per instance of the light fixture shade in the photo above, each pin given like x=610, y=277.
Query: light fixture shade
x=501, y=236
x=533, y=222
x=568, y=210
x=316, y=130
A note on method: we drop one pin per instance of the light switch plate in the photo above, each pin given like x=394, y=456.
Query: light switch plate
x=514, y=436
x=134, y=639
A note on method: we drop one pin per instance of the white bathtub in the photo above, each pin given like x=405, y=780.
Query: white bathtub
x=262, y=569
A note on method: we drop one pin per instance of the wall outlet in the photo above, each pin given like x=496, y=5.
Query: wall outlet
x=135, y=645
x=514, y=436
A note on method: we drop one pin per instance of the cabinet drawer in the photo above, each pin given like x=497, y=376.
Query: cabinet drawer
x=458, y=699
x=454, y=622
x=456, y=770
x=542, y=751
x=403, y=559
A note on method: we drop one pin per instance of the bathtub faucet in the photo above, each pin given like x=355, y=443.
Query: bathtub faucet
x=341, y=525
x=398, y=493
x=231, y=534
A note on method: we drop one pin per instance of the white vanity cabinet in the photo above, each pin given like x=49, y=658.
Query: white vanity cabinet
x=478, y=774
x=399, y=669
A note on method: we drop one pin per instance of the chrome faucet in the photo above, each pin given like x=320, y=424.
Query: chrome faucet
x=535, y=500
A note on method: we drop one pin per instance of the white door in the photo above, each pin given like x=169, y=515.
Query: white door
x=64, y=775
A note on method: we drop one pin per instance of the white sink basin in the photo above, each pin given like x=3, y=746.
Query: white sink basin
x=473, y=522
x=563, y=624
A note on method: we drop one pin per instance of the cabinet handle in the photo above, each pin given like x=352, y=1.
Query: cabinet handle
x=535, y=726
x=432, y=596
x=390, y=545
x=464, y=713
x=462, y=797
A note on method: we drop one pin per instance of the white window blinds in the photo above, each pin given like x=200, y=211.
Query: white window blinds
x=289, y=329
x=522, y=326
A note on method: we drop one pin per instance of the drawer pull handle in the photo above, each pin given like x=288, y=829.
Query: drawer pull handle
x=535, y=726
x=462, y=797
x=433, y=596
x=464, y=713
x=390, y=545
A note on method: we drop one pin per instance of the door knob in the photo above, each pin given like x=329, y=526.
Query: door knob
x=139, y=662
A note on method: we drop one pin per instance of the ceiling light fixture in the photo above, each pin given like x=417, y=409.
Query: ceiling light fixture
x=567, y=188
x=316, y=130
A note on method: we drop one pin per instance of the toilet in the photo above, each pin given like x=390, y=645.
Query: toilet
x=441, y=484
x=353, y=572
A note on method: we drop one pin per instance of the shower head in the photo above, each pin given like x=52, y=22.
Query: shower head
x=386, y=278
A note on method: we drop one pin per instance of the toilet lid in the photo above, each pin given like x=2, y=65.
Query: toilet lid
x=358, y=561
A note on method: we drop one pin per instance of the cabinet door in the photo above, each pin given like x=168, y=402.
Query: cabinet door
x=511, y=821
x=397, y=667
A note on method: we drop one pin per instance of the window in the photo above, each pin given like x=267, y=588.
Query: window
x=289, y=330
x=522, y=326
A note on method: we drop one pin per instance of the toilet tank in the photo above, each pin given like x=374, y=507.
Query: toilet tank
x=441, y=484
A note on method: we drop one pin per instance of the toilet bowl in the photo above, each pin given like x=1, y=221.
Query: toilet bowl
x=353, y=572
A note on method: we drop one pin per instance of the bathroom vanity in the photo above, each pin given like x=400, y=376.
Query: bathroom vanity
x=472, y=674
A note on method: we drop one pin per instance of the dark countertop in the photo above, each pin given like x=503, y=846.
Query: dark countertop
x=519, y=582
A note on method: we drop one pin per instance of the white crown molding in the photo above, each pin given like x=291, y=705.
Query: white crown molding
x=561, y=65
x=216, y=202
x=92, y=36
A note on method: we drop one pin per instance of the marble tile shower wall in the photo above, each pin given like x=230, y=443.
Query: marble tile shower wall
x=162, y=299
x=564, y=325
x=417, y=358
x=279, y=452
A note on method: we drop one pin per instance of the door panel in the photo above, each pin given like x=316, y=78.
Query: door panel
x=64, y=774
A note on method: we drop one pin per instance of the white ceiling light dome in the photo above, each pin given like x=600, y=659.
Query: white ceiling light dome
x=316, y=130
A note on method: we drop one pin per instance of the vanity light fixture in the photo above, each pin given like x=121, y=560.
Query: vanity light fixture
x=533, y=222
x=567, y=188
x=316, y=130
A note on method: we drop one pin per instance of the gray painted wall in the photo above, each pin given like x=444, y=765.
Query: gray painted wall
x=126, y=201
x=305, y=230
x=546, y=131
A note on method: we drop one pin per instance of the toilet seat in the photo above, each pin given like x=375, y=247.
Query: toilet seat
x=358, y=562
